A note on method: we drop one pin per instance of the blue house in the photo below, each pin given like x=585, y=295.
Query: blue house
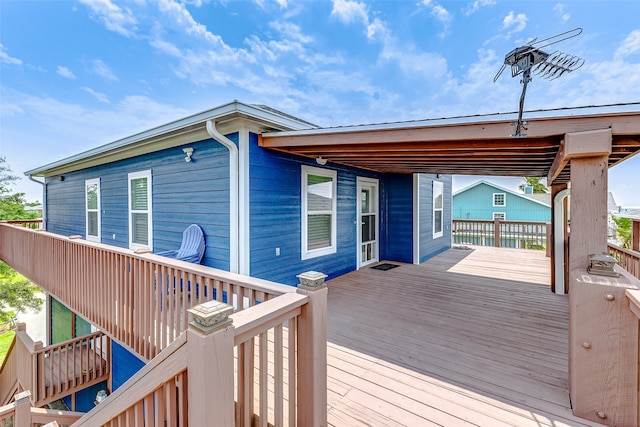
x=265, y=213
x=486, y=201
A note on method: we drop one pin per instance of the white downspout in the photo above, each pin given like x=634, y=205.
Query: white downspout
x=44, y=200
x=233, y=194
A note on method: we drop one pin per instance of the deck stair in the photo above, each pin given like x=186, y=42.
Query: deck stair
x=55, y=371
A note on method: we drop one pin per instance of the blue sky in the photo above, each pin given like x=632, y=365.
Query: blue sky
x=78, y=74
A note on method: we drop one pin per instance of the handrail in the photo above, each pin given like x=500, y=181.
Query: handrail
x=8, y=374
x=33, y=224
x=627, y=258
x=158, y=377
x=36, y=416
x=171, y=362
x=139, y=299
x=499, y=233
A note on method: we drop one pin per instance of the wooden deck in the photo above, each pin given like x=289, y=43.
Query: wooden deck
x=472, y=337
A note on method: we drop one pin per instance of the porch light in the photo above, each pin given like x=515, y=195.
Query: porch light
x=189, y=152
x=321, y=161
x=100, y=396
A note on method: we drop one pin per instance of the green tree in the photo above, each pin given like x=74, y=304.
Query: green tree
x=623, y=230
x=17, y=294
x=538, y=186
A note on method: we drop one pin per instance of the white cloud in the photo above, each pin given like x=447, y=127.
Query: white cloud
x=5, y=58
x=476, y=5
x=630, y=45
x=115, y=18
x=440, y=13
x=518, y=21
x=349, y=11
x=560, y=11
x=97, y=95
x=101, y=69
x=65, y=72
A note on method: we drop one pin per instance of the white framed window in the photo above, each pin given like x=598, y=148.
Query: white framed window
x=140, y=214
x=499, y=199
x=318, y=211
x=92, y=207
x=500, y=215
x=438, y=203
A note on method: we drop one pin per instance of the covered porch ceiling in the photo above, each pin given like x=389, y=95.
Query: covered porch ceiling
x=463, y=146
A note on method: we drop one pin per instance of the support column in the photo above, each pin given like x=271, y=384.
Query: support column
x=22, y=415
x=551, y=241
x=210, y=365
x=312, y=351
x=635, y=235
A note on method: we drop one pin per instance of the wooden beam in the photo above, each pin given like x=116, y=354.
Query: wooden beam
x=621, y=123
x=591, y=143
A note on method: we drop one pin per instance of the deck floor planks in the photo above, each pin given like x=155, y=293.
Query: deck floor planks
x=471, y=337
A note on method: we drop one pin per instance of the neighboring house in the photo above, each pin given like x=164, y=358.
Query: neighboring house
x=264, y=213
x=486, y=201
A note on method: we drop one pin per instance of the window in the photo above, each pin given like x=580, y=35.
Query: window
x=318, y=212
x=499, y=199
x=140, y=221
x=500, y=215
x=437, y=208
x=92, y=204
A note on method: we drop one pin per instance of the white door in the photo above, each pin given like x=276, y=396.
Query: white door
x=367, y=221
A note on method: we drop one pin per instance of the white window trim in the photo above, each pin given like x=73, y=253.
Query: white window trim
x=504, y=197
x=440, y=185
x=504, y=215
x=310, y=170
x=90, y=238
x=136, y=175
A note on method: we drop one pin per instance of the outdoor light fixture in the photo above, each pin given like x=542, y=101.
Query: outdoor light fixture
x=189, y=152
x=321, y=161
x=100, y=396
x=60, y=178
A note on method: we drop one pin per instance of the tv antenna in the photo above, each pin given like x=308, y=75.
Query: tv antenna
x=531, y=58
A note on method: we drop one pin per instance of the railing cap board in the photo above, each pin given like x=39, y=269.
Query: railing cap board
x=214, y=273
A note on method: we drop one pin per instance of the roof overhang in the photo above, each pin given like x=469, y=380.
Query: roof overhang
x=174, y=134
x=463, y=146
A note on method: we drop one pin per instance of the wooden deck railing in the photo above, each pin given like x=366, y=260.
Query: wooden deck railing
x=9, y=375
x=627, y=259
x=191, y=382
x=33, y=224
x=506, y=234
x=139, y=299
x=56, y=371
x=21, y=414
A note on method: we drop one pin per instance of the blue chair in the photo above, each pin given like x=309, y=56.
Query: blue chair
x=192, y=247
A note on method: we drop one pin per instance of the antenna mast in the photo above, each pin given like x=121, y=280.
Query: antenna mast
x=531, y=58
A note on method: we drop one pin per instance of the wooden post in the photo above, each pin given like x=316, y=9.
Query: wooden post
x=635, y=235
x=22, y=416
x=496, y=233
x=312, y=351
x=603, y=349
x=210, y=365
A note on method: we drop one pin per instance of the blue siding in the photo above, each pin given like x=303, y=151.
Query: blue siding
x=477, y=203
x=396, y=225
x=124, y=365
x=275, y=217
x=430, y=247
x=183, y=194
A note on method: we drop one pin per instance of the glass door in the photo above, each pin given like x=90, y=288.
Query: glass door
x=368, y=221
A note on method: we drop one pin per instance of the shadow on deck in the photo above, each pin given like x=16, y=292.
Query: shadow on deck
x=471, y=337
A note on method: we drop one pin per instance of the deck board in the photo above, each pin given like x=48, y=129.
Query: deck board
x=472, y=337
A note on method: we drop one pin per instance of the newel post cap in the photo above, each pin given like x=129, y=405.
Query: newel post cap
x=311, y=280
x=210, y=316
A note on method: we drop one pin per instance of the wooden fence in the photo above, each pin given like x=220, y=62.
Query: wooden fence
x=627, y=259
x=506, y=234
